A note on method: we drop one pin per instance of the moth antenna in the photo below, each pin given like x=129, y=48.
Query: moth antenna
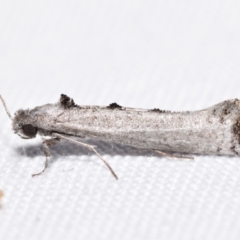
x=5, y=106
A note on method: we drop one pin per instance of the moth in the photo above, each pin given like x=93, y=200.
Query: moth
x=211, y=131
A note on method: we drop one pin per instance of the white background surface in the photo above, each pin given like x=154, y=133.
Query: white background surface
x=175, y=55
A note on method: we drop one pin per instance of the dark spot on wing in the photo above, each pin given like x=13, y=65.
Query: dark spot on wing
x=219, y=150
x=233, y=149
x=66, y=102
x=114, y=106
x=226, y=111
x=236, y=129
x=159, y=110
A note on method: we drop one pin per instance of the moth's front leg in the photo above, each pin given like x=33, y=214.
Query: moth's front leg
x=46, y=144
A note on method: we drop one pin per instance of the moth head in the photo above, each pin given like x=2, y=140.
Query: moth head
x=22, y=124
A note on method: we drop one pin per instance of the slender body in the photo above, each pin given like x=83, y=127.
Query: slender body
x=208, y=131
x=215, y=130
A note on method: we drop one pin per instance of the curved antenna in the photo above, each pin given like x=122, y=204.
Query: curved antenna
x=5, y=106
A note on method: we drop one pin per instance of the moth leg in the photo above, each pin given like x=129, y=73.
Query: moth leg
x=90, y=147
x=173, y=155
x=46, y=144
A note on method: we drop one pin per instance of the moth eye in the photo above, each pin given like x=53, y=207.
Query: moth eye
x=29, y=130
